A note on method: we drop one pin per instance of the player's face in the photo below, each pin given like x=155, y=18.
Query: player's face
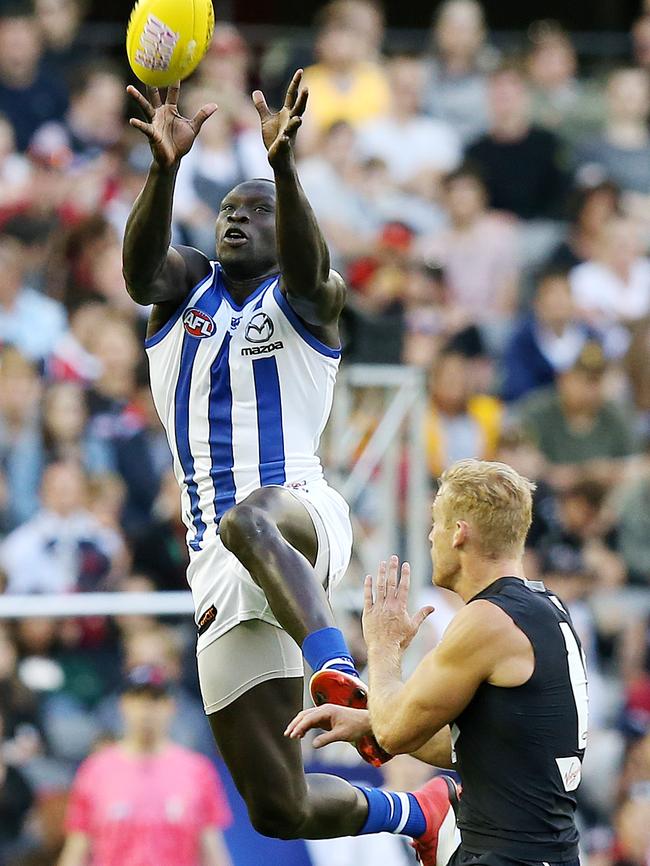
x=245, y=231
x=445, y=559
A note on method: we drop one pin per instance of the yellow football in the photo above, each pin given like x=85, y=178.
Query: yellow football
x=166, y=39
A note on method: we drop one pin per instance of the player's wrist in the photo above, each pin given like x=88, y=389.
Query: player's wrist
x=284, y=168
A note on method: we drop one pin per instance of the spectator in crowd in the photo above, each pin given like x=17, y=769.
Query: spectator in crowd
x=159, y=551
x=222, y=157
x=72, y=359
x=456, y=89
x=30, y=93
x=459, y=422
x=560, y=101
x=61, y=435
x=364, y=18
x=29, y=320
x=65, y=434
x=225, y=72
x=59, y=22
x=15, y=172
x=16, y=800
x=521, y=163
x=345, y=84
x=62, y=548
x=640, y=34
x=613, y=288
x=547, y=340
x=579, y=431
x=116, y=419
x=479, y=252
x=591, y=208
x=20, y=739
x=583, y=530
x=417, y=149
x=635, y=367
x=331, y=179
x=632, y=825
x=622, y=152
x=20, y=394
x=633, y=523
x=93, y=121
x=170, y=805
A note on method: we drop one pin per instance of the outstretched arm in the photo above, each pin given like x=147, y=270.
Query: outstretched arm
x=315, y=292
x=347, y=725
x=154, y=271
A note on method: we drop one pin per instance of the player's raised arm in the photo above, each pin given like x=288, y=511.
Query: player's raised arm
x=154, y=271
x=315, y=292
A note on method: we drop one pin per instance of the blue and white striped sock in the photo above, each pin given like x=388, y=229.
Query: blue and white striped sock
x=392, y=812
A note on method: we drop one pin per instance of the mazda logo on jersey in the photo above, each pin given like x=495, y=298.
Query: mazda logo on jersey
x=259, y=329
x=197, y=323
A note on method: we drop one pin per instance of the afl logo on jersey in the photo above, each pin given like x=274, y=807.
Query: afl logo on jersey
x=259, y=329
x=197, y=323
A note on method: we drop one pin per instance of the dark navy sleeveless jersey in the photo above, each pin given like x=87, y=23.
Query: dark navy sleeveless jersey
x=519, y=750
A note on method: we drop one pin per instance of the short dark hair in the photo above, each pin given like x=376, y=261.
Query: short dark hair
x=513, y=64
x=591, y=491
x=550, y=272
x=468, y=169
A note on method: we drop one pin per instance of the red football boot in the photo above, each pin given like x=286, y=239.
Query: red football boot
x=330, y=686
x=438, y=800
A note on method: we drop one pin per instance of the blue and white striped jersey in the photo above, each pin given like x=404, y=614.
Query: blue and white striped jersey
x=243, y=392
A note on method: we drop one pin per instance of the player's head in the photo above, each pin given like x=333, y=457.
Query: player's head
x=245, y=230
x=482, y=510
x=146, y=705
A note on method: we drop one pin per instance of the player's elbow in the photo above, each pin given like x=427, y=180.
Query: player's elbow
x=392, y=739
x=399, y=736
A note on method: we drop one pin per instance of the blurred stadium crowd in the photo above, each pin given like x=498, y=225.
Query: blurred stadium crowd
x=492, y=217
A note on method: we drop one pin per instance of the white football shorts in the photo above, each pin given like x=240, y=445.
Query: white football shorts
x=233, y=616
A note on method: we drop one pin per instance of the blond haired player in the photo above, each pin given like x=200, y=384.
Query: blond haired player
x=502, y=699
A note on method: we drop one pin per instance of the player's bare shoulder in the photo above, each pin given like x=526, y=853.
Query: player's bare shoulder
x=483, y=635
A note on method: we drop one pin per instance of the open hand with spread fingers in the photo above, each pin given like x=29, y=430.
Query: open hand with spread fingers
x=170, y=134
x=386, y=620
x=279, y=129
x=339, y=724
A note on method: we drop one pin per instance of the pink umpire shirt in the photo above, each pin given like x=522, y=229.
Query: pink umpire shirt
x=143, y=810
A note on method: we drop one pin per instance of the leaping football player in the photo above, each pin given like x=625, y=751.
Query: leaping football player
x=243, y=354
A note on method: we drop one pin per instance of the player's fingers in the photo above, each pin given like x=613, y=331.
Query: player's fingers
x=315, y=717
x=147, y=128
x=142, y=101
x=404, y=582
x=292, y=127
x=202, y=115
x=172, y=93
x=301, y=103
x=381, y=581
x=367, y=592
x=391, y=577
x=421, y=615
x=292, y=89
x=259, y=102
x=325, y=739
x=154, y=96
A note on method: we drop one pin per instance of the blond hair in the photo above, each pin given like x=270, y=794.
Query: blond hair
x=493, y=498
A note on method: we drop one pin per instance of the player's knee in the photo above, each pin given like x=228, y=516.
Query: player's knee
x=242, y=526
x=277, y=819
